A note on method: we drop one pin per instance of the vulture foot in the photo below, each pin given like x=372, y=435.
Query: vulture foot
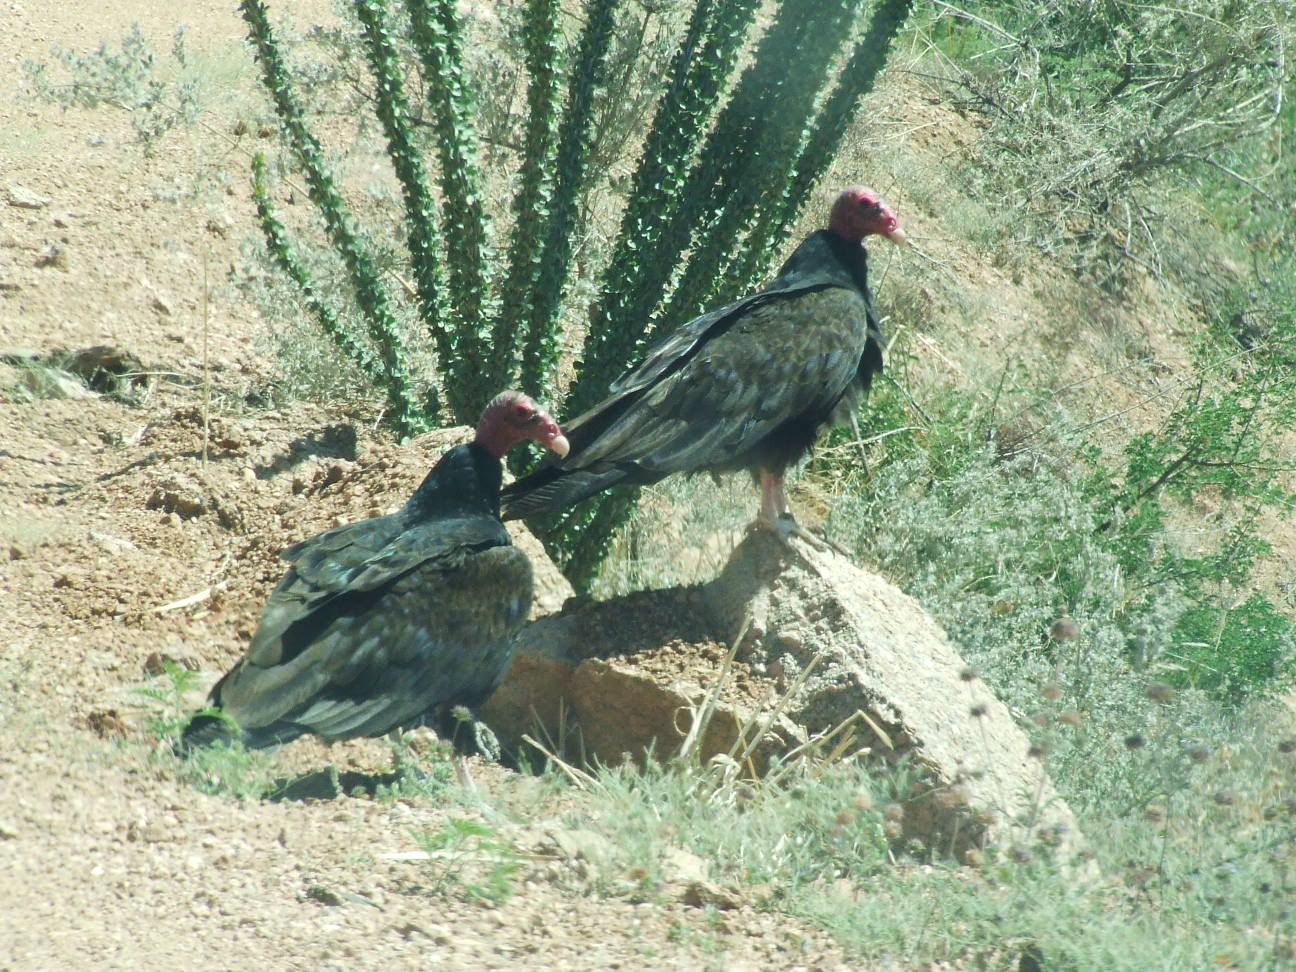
x=785, y=527
x=469, y=735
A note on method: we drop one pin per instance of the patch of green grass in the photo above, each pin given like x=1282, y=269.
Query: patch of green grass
x=229, y=771
x=1197, y=866
x=1227, y=651
x=471, y=860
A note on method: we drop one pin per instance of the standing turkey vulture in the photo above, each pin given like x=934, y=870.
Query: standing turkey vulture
x=747, y=386
x=382, y=622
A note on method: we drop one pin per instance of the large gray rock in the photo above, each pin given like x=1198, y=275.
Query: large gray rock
x=624, y=677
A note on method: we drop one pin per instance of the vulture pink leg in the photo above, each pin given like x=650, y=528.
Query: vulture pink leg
x=776, y=516
x=773, y=501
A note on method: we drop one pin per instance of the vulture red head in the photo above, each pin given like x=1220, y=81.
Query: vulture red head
x=512, y=416
x=858, y=212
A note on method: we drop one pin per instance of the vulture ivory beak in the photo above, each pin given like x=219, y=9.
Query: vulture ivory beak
x=897, y=236
x=560, y=445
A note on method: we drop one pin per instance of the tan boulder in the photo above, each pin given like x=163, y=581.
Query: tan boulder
x=627, y=675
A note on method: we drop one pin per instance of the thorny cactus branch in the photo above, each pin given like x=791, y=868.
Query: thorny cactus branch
x=588, y=76
x=355, y=350
x=406, y=415
x=641, y=266
x=541, y=38
x=438, y=41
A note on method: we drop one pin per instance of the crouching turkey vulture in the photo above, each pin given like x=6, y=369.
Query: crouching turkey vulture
x=381, y=623
x=747, y=386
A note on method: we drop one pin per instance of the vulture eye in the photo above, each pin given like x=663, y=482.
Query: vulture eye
x=524, y=412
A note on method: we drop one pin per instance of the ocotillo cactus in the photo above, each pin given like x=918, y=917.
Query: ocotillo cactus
x=718, y=181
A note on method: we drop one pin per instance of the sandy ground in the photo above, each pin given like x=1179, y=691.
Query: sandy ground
x=108, y=516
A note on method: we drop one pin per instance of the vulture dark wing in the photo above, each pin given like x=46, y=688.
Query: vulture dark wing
x=710, y=391
x=374, y=659
x=372, y=620
x=786, y=358
x=349, y=560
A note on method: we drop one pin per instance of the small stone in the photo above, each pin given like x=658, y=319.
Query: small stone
x=110, y=542
x=70, y=577
x=177, y=496
x=158, y=661
x=161, y=305
x=584, y=845
x=105, y=723
x=24, y=198
x=52, y=256
x=317, y=892
x=704, y=894
x=682, y=865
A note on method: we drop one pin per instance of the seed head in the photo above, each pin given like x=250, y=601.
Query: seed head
x=844, y=818
x=1224, y=798
x=1064, y=629
x=969, y=674
x=1040, y=719
x=893, y=812
x=892, y=830
x=1154, y=813
x=978, y=711
x=1071, y=717
x=1038, y=750
x=862, y=801
x=1199, y=754
x=1021, y=855
x=1134, y=741
x=1053, y=836
x=1051, y=691
x=951, y=797
x=1287, y=747
x=972, y=857
x=1159, y=692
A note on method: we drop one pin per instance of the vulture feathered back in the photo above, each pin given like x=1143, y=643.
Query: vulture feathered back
x=748, y=386
x=382, y=622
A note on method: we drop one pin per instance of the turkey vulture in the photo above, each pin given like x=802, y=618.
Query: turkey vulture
x=382, y=622
x=747, y=386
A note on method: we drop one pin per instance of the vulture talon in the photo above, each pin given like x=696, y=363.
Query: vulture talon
x=786, y=527
x=469, y=735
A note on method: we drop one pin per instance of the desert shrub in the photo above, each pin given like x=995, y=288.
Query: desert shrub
x=1111, y=125
x=126, y=78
